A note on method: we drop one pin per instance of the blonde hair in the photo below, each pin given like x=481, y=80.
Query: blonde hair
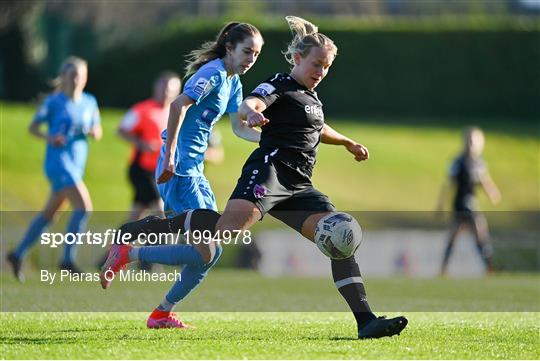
x=69, y=63
x=305, y=37
x=232, y=33
x=470, y=130
x=473, y=140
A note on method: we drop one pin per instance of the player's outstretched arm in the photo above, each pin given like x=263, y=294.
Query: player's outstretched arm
x=242, y=130
x=177, y=113
x=443, y=194
x=331, y=136
x=57, y=140
x=250, y=112
x=126, y=131
x=96, y=132
x=490, y=188
x=136, y=141
x=36, y=131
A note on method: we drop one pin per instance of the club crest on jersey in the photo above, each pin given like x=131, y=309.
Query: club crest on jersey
x=314, y=109
x=259, y=191
x=264, y=89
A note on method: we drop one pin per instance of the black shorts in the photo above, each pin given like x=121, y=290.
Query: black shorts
x=280, y=189
x=465, y=210
x=466, y=216
x=144, y=185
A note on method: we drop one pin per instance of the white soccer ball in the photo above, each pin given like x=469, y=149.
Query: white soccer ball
x=338, y=235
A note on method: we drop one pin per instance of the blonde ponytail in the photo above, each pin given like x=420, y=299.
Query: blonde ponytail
x=69, y=63
x=301, y=27
x=305, y=36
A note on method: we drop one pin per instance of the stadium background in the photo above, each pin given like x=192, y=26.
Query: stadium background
x=409, y=76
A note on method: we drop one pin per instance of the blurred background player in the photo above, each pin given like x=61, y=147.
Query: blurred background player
x=142, y=127
x=466, y=172
x=213, y=88
x=71, y=116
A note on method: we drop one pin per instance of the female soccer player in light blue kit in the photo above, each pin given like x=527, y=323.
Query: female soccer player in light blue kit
x=71, y=116
x=213, y=89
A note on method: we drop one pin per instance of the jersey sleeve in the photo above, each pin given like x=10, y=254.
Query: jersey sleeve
x=202, y=83
x=96, y=116
x=269, y=90
x=43, y=113
x=454, y=168
x=130, y=121
x=235, y=100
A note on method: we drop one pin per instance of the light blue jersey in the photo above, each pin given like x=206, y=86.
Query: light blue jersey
x=64, y=165
x=214, y=94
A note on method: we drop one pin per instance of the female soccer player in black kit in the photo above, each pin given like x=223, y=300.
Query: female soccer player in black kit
x=467, y=171
x=276, y=178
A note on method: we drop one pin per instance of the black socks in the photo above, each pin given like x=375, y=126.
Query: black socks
x=199, y=219
x=349, y=283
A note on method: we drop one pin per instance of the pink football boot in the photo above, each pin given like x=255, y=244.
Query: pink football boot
x=164, y=319
x=116, y=261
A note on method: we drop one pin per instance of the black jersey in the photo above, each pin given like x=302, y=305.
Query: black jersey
x=466, y=172
x=296, y=120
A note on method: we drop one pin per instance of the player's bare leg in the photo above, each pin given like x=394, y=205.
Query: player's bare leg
x=455, y=228
x=41, y=221
x=239, y=214
x=481, y=234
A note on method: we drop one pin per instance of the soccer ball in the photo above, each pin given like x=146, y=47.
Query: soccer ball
x=338, y=235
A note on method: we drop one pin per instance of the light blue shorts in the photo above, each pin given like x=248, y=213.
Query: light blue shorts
x=183, y=193
x=61, y=178
x=65, y=166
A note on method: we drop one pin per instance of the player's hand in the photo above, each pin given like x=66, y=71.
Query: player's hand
x=96, y=132
x=495, y=197
x=168, y=170
x=359, y=151
x=148, y=146
x=58, y=140
x=256, y=119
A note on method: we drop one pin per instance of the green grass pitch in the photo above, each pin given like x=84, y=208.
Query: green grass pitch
x=227, y=335
x=405, y=155
x=498, y=334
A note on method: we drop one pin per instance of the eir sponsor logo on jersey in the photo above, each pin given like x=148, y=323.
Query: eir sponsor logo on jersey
x=314, y=109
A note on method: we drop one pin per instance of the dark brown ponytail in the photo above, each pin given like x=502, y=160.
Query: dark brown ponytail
x=232, y=33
